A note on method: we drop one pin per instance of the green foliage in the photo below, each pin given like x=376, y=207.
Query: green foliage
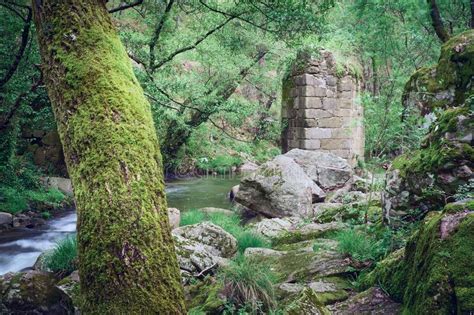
x=221, y=164
x=15, y=200
x=248, y=286
x=465, y=191
x=63, y=257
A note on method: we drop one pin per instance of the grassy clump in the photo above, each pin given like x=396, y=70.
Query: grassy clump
x=359, y=245
x=248, y=286
x=62, y=258
x=230, y=223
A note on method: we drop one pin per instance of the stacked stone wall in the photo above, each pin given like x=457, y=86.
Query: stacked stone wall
x=321, y=110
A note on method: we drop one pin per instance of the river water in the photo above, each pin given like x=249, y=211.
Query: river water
x=19, y=248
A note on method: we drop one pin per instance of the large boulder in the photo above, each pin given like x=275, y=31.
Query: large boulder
x=327, y=170
x=294, y=229
x=202, y=246
x=279, y=188
x=32, y=292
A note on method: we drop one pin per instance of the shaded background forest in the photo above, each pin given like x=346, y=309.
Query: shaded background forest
x=213, y=74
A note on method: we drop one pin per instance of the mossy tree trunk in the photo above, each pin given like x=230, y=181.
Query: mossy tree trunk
x=127, y=261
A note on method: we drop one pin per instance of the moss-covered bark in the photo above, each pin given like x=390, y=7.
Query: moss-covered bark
x=127, y=258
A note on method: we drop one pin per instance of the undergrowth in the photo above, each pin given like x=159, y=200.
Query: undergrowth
x=62, y=258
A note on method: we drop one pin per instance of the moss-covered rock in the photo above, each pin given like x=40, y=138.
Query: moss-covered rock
x=435, y=275
x=373, y=301
x=205, y=296
x=32, y=292
x=449, y=83
x=424, y=179
x=307, y=303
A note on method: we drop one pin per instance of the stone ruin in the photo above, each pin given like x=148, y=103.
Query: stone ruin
x=320, y=110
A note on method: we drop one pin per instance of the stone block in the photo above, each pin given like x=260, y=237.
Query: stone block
x=331, y=80
x=315, y=133
x=310, y=123
x=330, y=104
x=346, y=94
x=308, y=79
x=342, y=133
x=317, y=113
x=344, y=112
x=309, y=90
x=331, y=122
x=345, y=154
x=309, y=102
x=335, y=144
x=311, y=144
x=345, y=103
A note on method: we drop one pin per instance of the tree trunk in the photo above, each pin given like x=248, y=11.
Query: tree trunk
x=437, y=21
x=127, y=261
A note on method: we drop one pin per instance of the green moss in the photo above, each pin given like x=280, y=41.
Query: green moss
x=431, y=267
x=206, y=297
x=389, y=274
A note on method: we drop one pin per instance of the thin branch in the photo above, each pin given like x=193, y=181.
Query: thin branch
x=126, y=6
x=157, y=33
x=24, y=42
x=237, y=16
x=6, y=121
x=5, y=5
x=192, y=46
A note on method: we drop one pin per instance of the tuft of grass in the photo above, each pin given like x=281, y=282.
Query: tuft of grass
x=249, y=285
x=247, y=239
x=62, y=259
x=358, y=245
x=192, y=216
x=231, y=224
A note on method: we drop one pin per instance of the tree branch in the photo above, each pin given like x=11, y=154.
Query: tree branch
x=437, y=21
x=157, y=33
x=6, y=121
x=126, y=6
x=24, y=41
x=192, y=46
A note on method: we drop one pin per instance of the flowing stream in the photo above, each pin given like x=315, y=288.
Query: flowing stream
x=19, y=248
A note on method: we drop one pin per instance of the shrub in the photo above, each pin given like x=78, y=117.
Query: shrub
x=62, y=258
x=248, y=285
